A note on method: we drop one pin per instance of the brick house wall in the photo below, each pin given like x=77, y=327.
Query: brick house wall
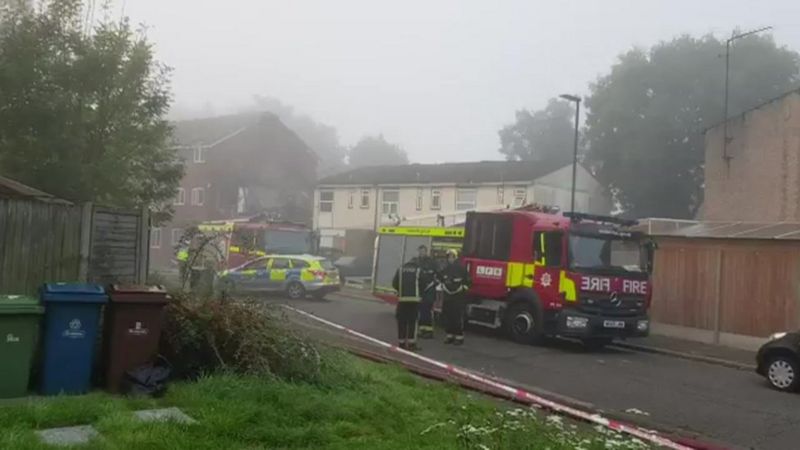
x=760, y=182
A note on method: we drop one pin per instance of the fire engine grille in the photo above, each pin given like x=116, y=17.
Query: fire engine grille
x=623, y=306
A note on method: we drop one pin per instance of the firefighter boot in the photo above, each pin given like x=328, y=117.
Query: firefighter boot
x=425, y=332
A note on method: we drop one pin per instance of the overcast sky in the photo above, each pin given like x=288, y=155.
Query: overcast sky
x=439, y=77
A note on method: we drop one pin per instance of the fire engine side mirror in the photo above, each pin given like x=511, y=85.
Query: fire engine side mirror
x=650, y=252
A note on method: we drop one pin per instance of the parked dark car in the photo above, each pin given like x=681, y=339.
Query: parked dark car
x=779, y=361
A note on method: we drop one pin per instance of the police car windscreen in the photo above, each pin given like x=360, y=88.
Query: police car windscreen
x=606, y=254
x=287, y=241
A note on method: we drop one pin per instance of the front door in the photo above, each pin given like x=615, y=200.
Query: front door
x=278, y=272
x=251, y=277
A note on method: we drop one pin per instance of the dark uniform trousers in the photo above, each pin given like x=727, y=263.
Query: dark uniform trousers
x=407, y=314
x=426, y=310
x=453, y=309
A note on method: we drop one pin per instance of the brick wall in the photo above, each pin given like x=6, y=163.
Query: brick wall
x=760, y=182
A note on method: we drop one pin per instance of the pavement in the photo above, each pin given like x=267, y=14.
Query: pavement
x=695, y=397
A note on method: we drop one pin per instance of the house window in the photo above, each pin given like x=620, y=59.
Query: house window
x=391, y=201
x=326, y=201
x=419, y=199
x=466, y=199
x=351, y=199
x=520, y=196
x=365, y=198
x=198, y=196
x=155, y=237
x=180, y=197
x=199, y=155
x=436, y=199
x=241, y=200
x=177, y=234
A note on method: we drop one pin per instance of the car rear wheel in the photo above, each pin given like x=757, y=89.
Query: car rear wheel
x=783, y=373
x=295, y=290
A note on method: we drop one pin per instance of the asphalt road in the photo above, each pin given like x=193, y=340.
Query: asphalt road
x=724, y=404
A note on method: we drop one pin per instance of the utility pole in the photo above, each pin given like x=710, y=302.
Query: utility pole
x=577, y=100
x=728, y=43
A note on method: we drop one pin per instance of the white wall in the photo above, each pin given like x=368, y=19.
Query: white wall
x=552, y=189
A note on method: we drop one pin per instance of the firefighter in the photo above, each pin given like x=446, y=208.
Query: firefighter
x=407, y=284
x=182, y=258
x=455, y=281
x=428, y=276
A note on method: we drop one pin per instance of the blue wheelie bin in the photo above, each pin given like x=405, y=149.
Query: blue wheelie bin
x=72, y=315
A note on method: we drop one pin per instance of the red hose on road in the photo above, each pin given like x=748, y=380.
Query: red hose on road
x=631, y=430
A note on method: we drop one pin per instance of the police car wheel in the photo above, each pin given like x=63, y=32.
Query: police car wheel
x=295, y=291
x=783, y=373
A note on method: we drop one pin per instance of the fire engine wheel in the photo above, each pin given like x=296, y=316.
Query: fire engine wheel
x=295, y=291
x=523, y=323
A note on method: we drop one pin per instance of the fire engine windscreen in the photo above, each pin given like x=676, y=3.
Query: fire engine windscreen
x=289, y=242
x=607, y=254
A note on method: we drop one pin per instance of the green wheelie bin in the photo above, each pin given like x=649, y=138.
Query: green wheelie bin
x=19, y=330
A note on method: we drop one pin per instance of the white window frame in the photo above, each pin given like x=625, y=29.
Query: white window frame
x=351, y=199
x=180, y=197
x=520, y=196
x=419, y=199
x=155, y=237
x=462, y=205
x=365, y=199
x=177, y=234
x=388, y=206
x=199, y=154
x=198, y=196
x=436, y=199
x=326, y=202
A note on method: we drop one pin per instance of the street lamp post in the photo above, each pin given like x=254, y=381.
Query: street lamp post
x=728, y=43
x=577, y=100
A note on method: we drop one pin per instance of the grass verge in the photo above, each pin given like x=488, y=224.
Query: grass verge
x=356, y=404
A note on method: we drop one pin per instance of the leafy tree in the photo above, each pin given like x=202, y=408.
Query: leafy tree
x=646, y=120
x=376, y=151
x=322, y=138
x=82, y=114
x=544, y=135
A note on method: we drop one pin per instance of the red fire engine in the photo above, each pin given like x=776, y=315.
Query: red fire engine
x=536, y=273
x=539, y=274
x=242, y=240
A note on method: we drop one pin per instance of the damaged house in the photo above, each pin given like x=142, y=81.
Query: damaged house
x=237, y=166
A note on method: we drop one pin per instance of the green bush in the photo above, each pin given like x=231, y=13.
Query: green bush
x=242, y=336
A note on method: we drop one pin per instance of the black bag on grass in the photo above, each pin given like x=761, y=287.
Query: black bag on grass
x=150, y=379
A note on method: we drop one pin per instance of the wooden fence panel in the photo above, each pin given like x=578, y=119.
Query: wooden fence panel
x=115, y=250
x=39, y=242
x=684, y=288
x=760, y=288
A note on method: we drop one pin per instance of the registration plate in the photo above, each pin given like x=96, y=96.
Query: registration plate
x=614, y=323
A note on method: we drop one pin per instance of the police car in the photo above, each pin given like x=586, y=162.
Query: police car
x=295, y=275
